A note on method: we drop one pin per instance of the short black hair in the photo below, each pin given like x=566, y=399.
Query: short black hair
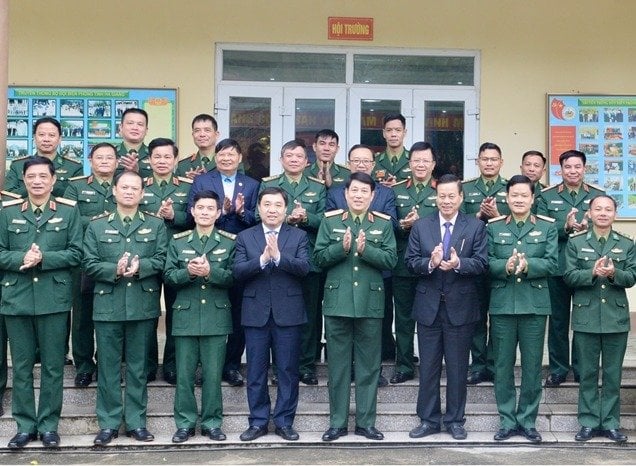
x=38, y=160
x=450, y=178
x=51, y=120
x=127, y=172
x=162, y=142
x=606, y=196
x=531, y=153
x=101, y=145
x=362, y=178
x=423, y=145
x=489, y=145
x=205, y=117
x=327, y=133
x=206, y=194
x=568, y=154
x=360, y=146
x=139, y=111
x=293, y=144
x=273, y=190
x=519, y=179
x=225, y=143
x=393, y=116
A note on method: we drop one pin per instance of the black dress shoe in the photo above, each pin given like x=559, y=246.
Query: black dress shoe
x=382, y=381
x=233, y=377
x=309, y=379
x=334, y=433
x=504, y=433
x=475, y=378
x=584, y=434
x=170, y=377
x=531, y=434
x=457, y=431
x=253, y=433
x=151, y=377
x=554, y=380
x=182, y=434
x=20, y=440
x=401, y=377
x=83, y=380
x=369, y=432
x=50, y=439
x=141, y=435
x=423, y=430
x=616, y=435
x=214, y=434
x=105, y=436
x=287, y=433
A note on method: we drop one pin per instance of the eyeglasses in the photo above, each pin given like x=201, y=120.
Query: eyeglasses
x=490, y=159
x=360, y=162
x=421, y=162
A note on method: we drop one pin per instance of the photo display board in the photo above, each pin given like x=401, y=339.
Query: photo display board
x=604, y=129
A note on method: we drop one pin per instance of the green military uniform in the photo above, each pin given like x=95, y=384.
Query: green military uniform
x=125, y=309
x=143, y=158
x=556, y=202
x=65, y=168
x=36, y=302
x=353, y=307
x=408, y=196
x=538, y=187
x=475, y=191
x=384, y=166
x=519, y=306
x=202, y=320
x=600, y=321
x=198, y=160
x=92, y=199
x=312, y=195
x=339, y=174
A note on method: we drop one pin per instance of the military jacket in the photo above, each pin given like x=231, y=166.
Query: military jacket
x=202, y=306
x=45, y=288
x=475, y=191
x=526, y=293
x=177, y=189
x=339, y=173
x=599, y=304
x=65, y=168
x=143, y=159
x=384, y=167
x=125, y=298
x=353, y=285
x=92, y=198
x=194, y=162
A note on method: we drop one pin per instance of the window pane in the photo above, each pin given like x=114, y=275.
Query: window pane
x=445, y=131
x=312, y=115
x=250, y=126
x=409, y=69
x=373, y=111
x=243, y=65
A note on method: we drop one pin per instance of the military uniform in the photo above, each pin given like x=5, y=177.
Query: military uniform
x=353, y=307
x=519, y=306
x=125, y=309
x=65, y=168
x=384, y=167
x=202, y=320
x=92, y=199
x=36, y=302
x=475, y=191
x=143, y=158
x=407, y=197
x=194, y=162
x=312, y=195
x=600, y=321
x=339, y=173
x=556, y=202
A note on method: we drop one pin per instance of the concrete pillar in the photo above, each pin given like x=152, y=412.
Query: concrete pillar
x=4, y=81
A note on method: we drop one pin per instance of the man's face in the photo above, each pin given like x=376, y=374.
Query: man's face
x=205, y=212
x=39, y=181
x=449, y=198
x=602, y=212
x=162, y=161
x=272, y=210
x=326, y=148
x=104, y=162
x=573, y=171
x=204, y=135
x=533, y=167
x=128, y=191
x=228, y=160
x=361, y=161
x=394, y=133
x=489, y=163
x=422, y=165
x=133, y=128
x=520, y=199
x=47, y=138
x=358, y=196
x=294, y=161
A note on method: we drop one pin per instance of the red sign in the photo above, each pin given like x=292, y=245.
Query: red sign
x=347, y=28
x=562, y=138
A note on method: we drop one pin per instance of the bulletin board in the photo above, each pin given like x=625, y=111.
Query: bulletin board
x=603, y=127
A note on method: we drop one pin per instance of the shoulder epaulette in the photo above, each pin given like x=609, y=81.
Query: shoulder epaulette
x=24, y=157
x=10, y=194
x=71, y=159
x=317, y=180
x=599, y=188
x=181, y=234
x=227, y=234
x=152, y=214
x=183, y=179
x=548, y=188
x=12, y=202
x=63, y=200
x=80, y=177
x=399, y=183
x=381, y=215
x=546, y=218
x=342, y=166
x=578, y=233
x=624, y=235
x=469, y=180
x=496, y=219
x=270, y=178
x=332, y=213
x=98, y=216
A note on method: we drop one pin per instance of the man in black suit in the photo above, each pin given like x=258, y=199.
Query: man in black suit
x=271, y=259
x=447, y=251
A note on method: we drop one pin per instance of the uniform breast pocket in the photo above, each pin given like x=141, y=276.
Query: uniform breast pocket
x=109, y=247
x=145, y=244
x=536, y=244
x=503, y=246
x=56, y=235
x=18, y=235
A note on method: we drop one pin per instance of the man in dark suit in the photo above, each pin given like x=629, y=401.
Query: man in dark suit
x=238, y=193
x=271, y=259
x=447, y=251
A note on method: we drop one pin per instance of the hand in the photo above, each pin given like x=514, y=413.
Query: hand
x=194, y=172
x=346, y=240
x=437, y=255
x=298, y=214
x=133, y=267
x=166, y=211
x=604, y=267
x=32, y=257
x=488, y=208
x=452, y=263
x=325, y=173
x=572, y=225
x=239, y=204
x=407, y=222
x=272, y=246
x=389, y=181
x=511, y=263
x=227, y=205
x=130, y=161
x=361, y=241
x=199, y=266
x=522, y=266
x=122, y=264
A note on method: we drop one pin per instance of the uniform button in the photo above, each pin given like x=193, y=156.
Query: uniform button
x=88, y=200
x=203, y=301
x=203, y=287
x=518, y=242
x=355, y=283
x=128, y=240
x=518, y=280
x=540, y=286
x=110, y=240
x=219, y=259
x=355, y=268
x=603, y=300
x=6, y=284
x=536, y=240
x=37, y=231
x=338, y=238
x=36, y=279
x=145, y=240
x=603, y=286
x=503, y=241
x=128, y=284
x=57, y=228
x=101, y=291
x=17, y=230
x=355, y=254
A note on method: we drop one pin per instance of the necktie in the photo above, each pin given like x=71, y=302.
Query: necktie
x=105, y=184
x=419, y=187
x=602, y=240
x=356, y=220
x=38, y=213
x=573, y=194
x=227, y=179
x=127, y=222
x=489, y=184
x=205, y=160
x=204, y=239
x=520, y=225
x=294, y=184
x=446, y=240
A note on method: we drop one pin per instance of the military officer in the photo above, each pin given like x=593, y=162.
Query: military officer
x=132, y=152
x=533, y=165
x=305, y=212
x=94, y=196
x=600, y=264
x=484, y=197
x=205, y=133
x=414, y=198
x=166, y=196
x=392, y=165
x=124, y=253
x=325, y=168
x=199, y=268
x=522, y=254
x=40, y=243
x=566, y=202
x=354, y=246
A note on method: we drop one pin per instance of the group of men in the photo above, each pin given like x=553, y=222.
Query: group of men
x=477, y=266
